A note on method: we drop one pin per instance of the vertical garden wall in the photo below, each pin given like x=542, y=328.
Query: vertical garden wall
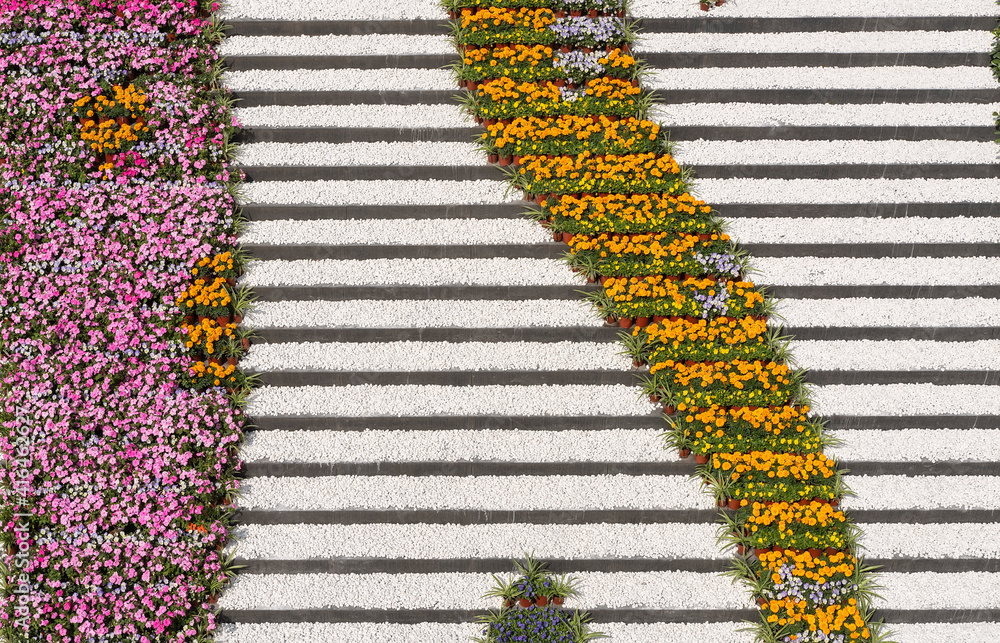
x=120, y=398
x=560, y=95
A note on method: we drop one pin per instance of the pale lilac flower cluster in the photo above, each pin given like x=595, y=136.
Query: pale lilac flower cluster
x=589, y=32
x=578, y=64
x=717, y=303
x=718, y=263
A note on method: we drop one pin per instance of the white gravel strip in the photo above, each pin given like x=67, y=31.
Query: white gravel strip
x=918, y=445
x=923, y=492
x=498, y=271
x=724, y=191
x=923, y=632
x=410, y=313
x=790, y=42
x=404, y=400
x=863, y=312
x=923, y=271
x=462, y=632
x=825, y=78
x=660, y=540
x=405, y=232
x=340, y=80
x=381, y=153
x=817, y=42
x=438, y=356
x=401, y=116
x=718, y=114
x=865, y=230
x=491, y=445
x=905, y=355
x=848, y=8
x=906, y=399
x=381, y=192
x=766, y=115
x=483, y=493
x=643, y=590
x=374, y=45
x=650, y=590
x=392, y=9
x=947, y=540
x=840, y=152
x=382, y=540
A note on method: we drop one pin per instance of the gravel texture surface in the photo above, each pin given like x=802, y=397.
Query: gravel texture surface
x=651, y=590
x=909, y=355
x=618, y=445
x=859, y=312
x=923, y=493
x=901, y=77
x=339, y=80
x=392, y=232
x=430, y=9
x=416, y=541
x=944, y=540
x=722, y=191
x=438, y=356
x=377, y=44
x=502, y=271
x=841, y=152
x=862, y=230
x=435, y=313
x=523, y=231
x=906, y=399
x=379, y=192
x=818, y=42
x=483, y=493
x=398, y=401
x=925, y=271
x=699, y=152
x=498, y=271
x=402, y=116
x=462, y=632
x=642, y=590
x=919, y=445
x=720, y=114
x=382, y=153
x=765, y=115
x=767, y=9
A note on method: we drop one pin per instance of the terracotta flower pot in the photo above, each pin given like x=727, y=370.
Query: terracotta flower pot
x=508, y=604
x=541, y=601
x=684, y=453
x=733, y=504
x=575, y=13
x=222, y=320
x=524, y=602
x=246, y=343
x=493, y=158
x=558, y=600
x=701, y=459
x=567, y=237
x=761, y=601
x=593, y=13
x=830, y=551
x=237, y=318
x=704, y=6
x=669, y=410
x=760, y=551
x=231, y=361
x=740, y=549
x=504, y=161
x=625, y=322
x=516, y=159
x=610, y=320
x=565, y=49
x=814, y=552
x=642, y=322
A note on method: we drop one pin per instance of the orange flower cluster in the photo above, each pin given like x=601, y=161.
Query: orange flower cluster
x=221, y=265
x=659, y=253
x=206, y=298
x=718, y=338
x=198, y=528
x=596, y=213
x=104, y=132
x=507, y=98
x=742, y=429
x=735, y=383
x=659, y=295
x=213, y=374
x=628, y=173
x=818, y=569
x=774, y=465
x=786, y=514
x=206, y=332
x=497, y=20
x=831, y=619
x=533, y=135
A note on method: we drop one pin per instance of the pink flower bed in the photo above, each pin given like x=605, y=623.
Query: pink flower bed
x=115, y=184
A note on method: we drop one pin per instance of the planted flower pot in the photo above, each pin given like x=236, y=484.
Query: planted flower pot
x=642, y=322
x=734, y=504
x=237, y=318
x=669, y=410
x=231, y=361
x=575, y=13
x=610, y=320
x=684, y=453
x=814, y=552
x=493, y=158
x=565, y=49
x=542, y=601
x=524, y=602
x=701, y=459
x=567, y=237
x=558, y=600
x=760, y=551
x=246, y=343
x=761, y=601
x=704, y=6
x=509, y=603
x=624, y=322
x=593, y=13
x=504, y=161
x=223, y=320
